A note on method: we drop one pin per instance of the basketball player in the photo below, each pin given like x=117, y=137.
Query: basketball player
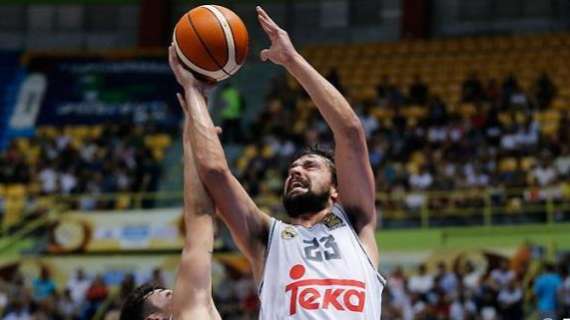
x=192, y=295
x=321, y=265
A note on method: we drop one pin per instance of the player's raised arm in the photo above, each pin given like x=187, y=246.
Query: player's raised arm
x=355, y=178
x=192, y=298
x=248, y=225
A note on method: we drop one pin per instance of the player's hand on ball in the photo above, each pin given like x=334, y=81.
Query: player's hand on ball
x=183, y=76
x=282, y=50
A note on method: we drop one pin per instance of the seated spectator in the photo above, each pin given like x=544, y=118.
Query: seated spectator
x=562, y=162
x=421, y=180
x=544, y=173
x=419, y=92
x=510, y=87
x=544, y=91
x=472, y=89
x=422, y=282
x=502, y=276
x=510, y=301
x=446, y=281
x=492, y=91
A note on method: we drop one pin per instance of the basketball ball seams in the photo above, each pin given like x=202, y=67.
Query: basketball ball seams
x=204, y=45
x=235, y=34
x=228, y=35
x=219, y=75
x=233, y=64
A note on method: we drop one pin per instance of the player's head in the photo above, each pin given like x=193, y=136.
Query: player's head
x=147, y=302
x=311, y=182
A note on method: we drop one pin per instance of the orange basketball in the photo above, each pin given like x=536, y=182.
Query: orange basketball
x=212, y=41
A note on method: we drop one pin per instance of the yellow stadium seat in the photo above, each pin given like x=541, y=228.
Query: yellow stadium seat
x=508, y=164
x=14, y=205
x=527, y=163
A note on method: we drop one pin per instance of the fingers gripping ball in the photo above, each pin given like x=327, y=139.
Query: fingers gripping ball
x=212, y=41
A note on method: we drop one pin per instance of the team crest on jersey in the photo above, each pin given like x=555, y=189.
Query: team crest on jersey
x=288, y=233
x=332, y=221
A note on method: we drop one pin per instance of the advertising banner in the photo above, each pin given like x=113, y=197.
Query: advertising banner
x=135, y=230
x=90, y=90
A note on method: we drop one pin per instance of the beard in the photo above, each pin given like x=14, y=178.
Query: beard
x=309, y=202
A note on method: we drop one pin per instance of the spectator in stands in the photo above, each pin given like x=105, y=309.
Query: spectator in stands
x=502, y=276
x=462, y=308
x=43, y=286
x=510, y=86
x=422, y=180
x=472, y=89
x=232, y=108
x=446, y=281
x=562, y=162
x=544, y=91
x=388, y=93
x=564, y=293
x=334, y=78
x=546, y=291
x=67, y=307
x=369, y=121
x=20, y=308
x=95, y=296
x=418, y=92
x=128, y=284
x=492, y=92
x=510, y=301
x=78, y=284
x=437, y=114
x=157, y=278
x=422, y=282
x=544, y=173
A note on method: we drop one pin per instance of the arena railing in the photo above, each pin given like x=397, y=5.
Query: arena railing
x=420, y=209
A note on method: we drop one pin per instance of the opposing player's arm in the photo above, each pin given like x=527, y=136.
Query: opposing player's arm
x=248, y=225
x=193, y=288
x=355, y=178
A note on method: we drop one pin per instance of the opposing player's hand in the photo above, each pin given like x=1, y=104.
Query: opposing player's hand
x=282, y=50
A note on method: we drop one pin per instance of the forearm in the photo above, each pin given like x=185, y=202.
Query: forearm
x=333, y=106
x=208, y=151
x=198, y=207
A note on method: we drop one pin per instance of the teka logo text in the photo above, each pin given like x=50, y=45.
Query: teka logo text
x=335, y=294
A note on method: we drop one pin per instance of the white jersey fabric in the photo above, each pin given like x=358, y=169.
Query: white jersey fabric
x=321, y=272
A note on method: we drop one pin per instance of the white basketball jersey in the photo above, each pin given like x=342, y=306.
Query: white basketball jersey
x=321, y=272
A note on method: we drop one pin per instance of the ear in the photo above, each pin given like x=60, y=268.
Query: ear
x=334, y=193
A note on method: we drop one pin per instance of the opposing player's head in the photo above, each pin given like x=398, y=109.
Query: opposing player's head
x=147, y=302
x=311, y=182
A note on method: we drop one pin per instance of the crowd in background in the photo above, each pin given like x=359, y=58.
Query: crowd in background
x=498, y=142
x=86, y=296
x=82, y=165
x=503, y=291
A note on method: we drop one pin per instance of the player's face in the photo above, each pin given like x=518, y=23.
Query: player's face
x=308, y=186
x=162, y=299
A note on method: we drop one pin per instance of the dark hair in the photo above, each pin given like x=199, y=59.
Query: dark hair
x=322, y=152
x=136, y=306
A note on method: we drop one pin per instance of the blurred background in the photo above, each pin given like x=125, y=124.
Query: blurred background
x=466, y=105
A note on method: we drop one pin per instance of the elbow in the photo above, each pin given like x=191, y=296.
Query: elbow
x=353, y=130
x=211, y=172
